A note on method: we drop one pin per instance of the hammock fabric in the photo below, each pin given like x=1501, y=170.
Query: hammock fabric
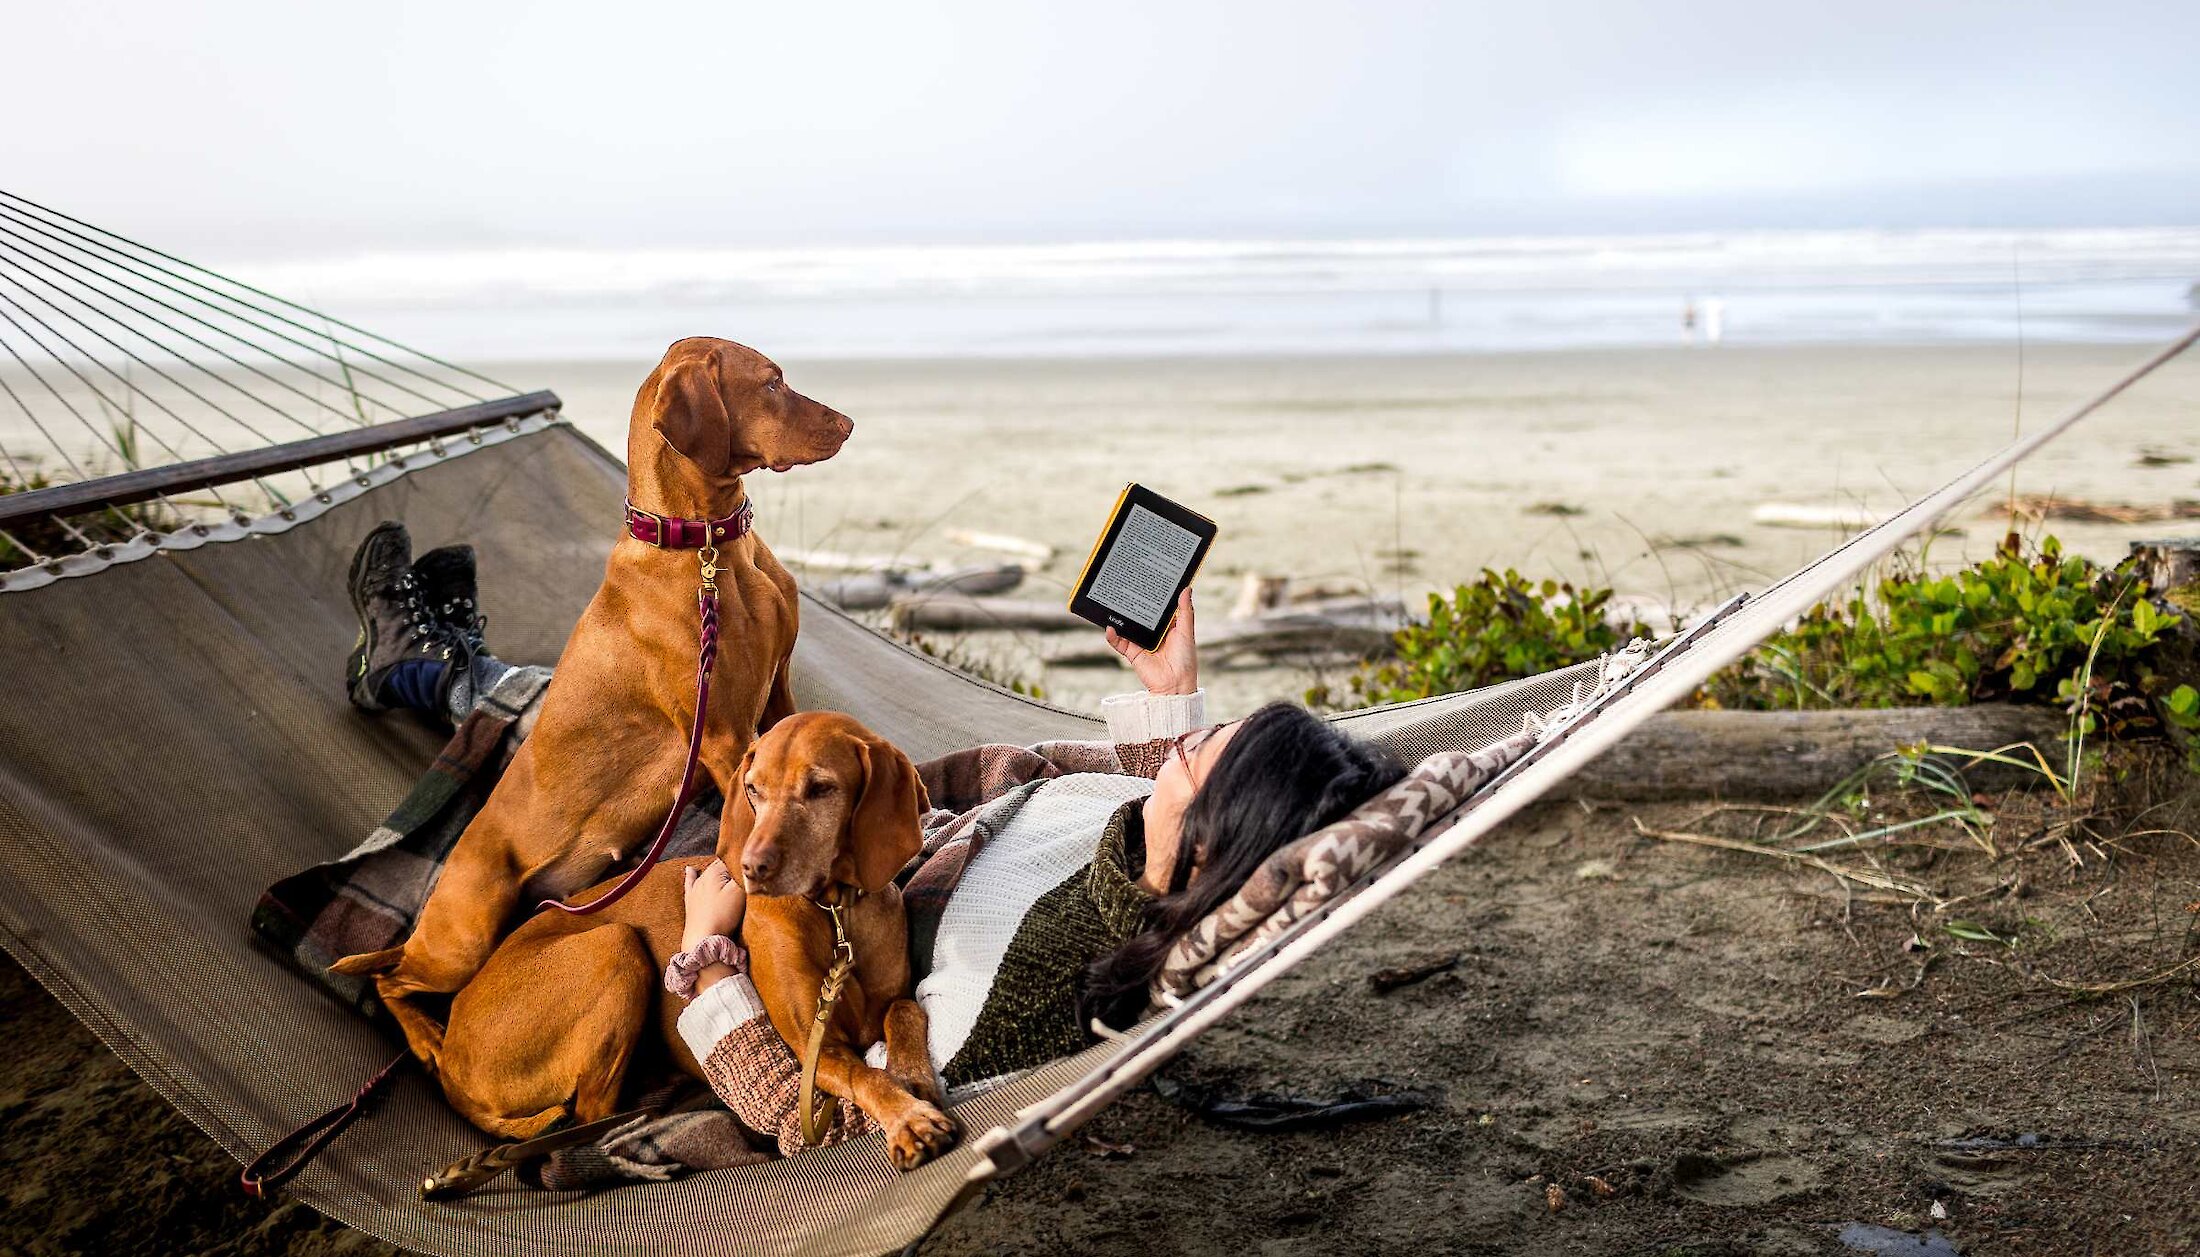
x=183, y=740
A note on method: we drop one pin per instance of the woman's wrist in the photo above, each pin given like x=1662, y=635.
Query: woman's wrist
x=684, y=972
x=711, y=975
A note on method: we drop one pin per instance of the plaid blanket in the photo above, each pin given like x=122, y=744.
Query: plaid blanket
x=368, y=898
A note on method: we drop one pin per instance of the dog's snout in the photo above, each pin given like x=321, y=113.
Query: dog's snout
x=758, y=866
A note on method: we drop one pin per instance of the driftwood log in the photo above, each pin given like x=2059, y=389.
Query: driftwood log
x=1335, y=629
x=872, y=590
x=946, y=611
x=1803, y=754
x=2171, y=564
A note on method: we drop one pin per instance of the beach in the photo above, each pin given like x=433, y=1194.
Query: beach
x=1636, y=469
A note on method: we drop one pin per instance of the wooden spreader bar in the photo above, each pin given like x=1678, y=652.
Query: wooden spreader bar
x=200, y=473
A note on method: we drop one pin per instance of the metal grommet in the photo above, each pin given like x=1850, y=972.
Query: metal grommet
x=199, y=529
x=290, y=515
x=396, y=460
x=436, y=443
x=324, y=499
x=52, y=565
x=364, y=481
x=104, y=552
x=473, y=436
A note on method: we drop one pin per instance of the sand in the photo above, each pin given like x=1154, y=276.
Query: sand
x=1639, y=470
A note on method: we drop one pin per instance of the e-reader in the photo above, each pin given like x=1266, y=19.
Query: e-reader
x=1147, y=554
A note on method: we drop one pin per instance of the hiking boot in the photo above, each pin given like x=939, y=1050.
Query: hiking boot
x=395, y=624
x=446, y=576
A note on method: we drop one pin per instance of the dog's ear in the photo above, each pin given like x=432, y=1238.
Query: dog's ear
x=736, y=819
x=691, y=413
x=883, y=831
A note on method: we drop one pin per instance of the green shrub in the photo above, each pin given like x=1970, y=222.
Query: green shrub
x=1499, y=627
x=2028, y=624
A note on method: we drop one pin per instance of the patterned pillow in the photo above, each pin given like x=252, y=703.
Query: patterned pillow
x=1300, y=877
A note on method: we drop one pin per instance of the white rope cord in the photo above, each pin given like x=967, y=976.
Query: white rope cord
x=127, y=387
x=193, y=347
x=143, y=254
x=53, y=262
x=212, y=303
x=1040, y=1125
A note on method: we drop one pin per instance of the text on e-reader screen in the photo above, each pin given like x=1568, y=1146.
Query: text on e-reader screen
x=1138, y=576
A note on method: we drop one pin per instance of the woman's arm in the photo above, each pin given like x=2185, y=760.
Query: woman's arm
x=1142, y=725
x=751, y=1069
x=747, y=1064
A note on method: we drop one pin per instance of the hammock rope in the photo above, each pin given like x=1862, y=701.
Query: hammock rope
x=184, y=363
x=250, y=317
x=226, y=356
x=127, y=247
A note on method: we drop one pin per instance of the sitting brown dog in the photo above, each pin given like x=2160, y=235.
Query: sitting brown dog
x=591, y=785
x=822, y=807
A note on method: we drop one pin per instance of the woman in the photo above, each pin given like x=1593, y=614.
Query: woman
x=1048, y=900
x=1067, y=913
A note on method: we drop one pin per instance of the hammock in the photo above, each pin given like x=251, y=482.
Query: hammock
x=175, y=736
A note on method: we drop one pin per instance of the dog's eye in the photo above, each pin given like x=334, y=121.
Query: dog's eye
x=774, y=384
x=817, y=789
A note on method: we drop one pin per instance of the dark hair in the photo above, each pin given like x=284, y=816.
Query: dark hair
x=1284, y=774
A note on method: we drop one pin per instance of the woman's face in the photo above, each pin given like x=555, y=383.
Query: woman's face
x=1190, y=760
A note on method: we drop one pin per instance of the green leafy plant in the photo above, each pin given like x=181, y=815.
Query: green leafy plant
x=1500, y=626
x=2028, y=624
x=2181, y=712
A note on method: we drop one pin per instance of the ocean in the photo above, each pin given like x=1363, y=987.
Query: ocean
x=1273, y=297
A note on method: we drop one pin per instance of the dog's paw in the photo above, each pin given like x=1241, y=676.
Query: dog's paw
x=921, y=1134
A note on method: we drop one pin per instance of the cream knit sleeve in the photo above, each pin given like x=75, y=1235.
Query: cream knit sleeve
x=1141, y=717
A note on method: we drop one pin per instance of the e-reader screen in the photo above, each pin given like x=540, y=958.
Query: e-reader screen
x=1147, y=555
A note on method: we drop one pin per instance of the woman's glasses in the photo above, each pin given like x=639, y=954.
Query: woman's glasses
x=1184, y=745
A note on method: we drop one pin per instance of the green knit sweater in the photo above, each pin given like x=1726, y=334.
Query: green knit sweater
x=1030, y=1015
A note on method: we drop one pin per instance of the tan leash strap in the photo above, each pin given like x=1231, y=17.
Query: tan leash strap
x=817, y=1111
x=464, y=1177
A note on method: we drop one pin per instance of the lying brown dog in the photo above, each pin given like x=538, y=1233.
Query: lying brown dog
x=592, y=783
x=552, y=1022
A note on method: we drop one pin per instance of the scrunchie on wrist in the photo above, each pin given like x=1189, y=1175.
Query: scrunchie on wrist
x=716, y=950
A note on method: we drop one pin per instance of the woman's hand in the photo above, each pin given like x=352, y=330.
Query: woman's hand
x=715, y=903
x=1172, y=669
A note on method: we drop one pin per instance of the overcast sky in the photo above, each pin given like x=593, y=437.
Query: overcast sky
x=233, y=128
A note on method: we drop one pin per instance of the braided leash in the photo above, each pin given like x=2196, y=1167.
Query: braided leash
x=706, y=599
x=815, y=1109
x=259, y=1179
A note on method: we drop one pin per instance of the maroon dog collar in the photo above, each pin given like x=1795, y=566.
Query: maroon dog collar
x=671, y=533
